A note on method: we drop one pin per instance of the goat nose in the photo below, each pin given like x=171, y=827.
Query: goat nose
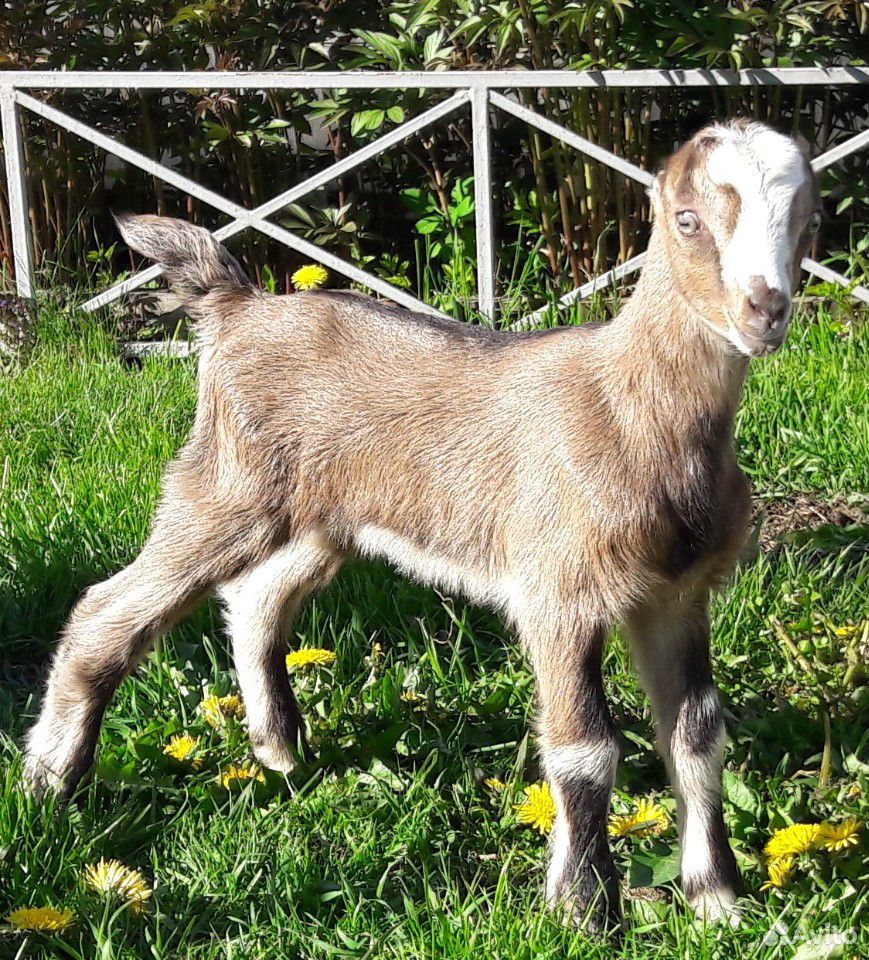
x=769, y=306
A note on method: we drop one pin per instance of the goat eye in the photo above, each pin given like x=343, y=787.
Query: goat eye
x=814, y=224
x=688, y=222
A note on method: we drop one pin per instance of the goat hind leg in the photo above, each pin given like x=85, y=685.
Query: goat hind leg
x=108, y=631
x=260, y=605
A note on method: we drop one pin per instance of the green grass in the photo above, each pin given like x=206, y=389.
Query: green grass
x=389, y=844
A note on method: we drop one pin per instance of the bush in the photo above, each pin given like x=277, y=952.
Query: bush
x=574, y=214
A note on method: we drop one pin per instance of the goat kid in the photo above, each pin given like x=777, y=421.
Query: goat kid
x=573, y=478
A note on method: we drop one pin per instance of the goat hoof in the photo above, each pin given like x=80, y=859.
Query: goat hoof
x=275, y=756
x=717, y=906
x=596, y=916
x=36, y=781
x=597, y=921
x=54, y=763
x=283, y=749
x=43, y=775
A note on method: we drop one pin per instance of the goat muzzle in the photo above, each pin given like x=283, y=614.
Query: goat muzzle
x=766, y=315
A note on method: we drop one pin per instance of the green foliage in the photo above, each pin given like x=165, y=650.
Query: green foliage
x=576, y=215
x=331, y=227
x=449, y=229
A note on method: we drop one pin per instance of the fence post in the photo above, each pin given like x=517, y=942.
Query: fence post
x=16, y=181
x=483, y=201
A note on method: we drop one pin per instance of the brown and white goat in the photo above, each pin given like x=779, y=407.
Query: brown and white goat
x=574, y=479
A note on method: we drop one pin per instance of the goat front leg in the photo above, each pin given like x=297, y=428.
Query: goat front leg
x=671, y=650
x=579, y=752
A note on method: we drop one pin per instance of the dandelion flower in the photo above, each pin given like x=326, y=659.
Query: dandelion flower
x=793, y=840
x=310, y=657
x=780, y=870
x=412, y=697
x=113, y=877
x=38, y=919
x=836, y=837
x=182, y=747
x=217, y=710
x=309, y=277
x=493, y=783
x=235, y=776
x=648, y=820
x=854, y=791
x=538, y=807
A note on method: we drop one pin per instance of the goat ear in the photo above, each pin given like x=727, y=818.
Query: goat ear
x=656, y=187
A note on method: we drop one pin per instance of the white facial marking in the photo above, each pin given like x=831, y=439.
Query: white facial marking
x=766, y=169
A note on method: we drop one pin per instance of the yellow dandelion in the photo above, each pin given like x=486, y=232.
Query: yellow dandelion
x=418, y=703
x=836, y=837
x=235, y=775
x=376, y=651
x=115, y=878
x=39, y=919
x=780, y=870
x=493, y=783
x=310, y=657
x=854, y=791
x=309, y=277
x=538, y=807
x=793, y=840
x=183, y=748
x=849, y=630
x=648, y=820
x=217, y=710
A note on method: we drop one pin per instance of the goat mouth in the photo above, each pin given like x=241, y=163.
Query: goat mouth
x=758, y=346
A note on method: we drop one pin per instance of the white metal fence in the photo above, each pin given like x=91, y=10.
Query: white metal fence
x=477, y=90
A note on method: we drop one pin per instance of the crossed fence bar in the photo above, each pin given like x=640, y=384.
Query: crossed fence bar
x=476, y=88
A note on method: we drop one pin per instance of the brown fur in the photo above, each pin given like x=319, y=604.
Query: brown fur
x=575, y=479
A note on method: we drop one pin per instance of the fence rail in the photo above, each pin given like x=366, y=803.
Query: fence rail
x=477, y=89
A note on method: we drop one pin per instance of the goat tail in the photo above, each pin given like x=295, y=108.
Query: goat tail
x=195, y=264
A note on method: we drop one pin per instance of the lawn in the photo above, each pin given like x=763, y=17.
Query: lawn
x=391, y=843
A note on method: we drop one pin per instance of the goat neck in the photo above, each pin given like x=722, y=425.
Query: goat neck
x=670, y=367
